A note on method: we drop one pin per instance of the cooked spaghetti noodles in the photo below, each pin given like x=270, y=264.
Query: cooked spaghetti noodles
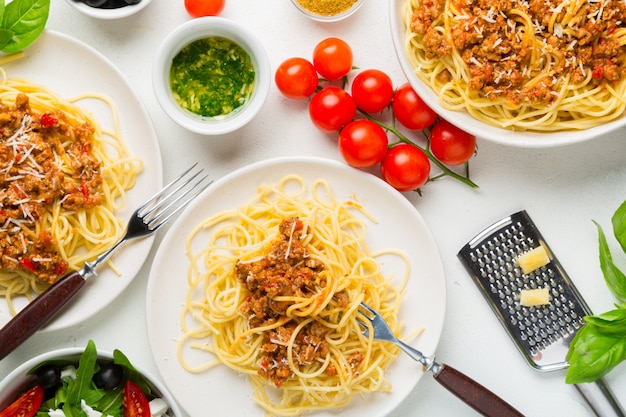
x=274, y=291
x=536, y=65
x=63, y=178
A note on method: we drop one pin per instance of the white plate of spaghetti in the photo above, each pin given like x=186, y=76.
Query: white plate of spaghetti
x=255, y=289
x=523, y=76
x=80, y=156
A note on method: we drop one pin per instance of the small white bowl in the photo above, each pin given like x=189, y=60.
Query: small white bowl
x=109, y=14
x=19, y=380
x=200, y=28
x=326, y=17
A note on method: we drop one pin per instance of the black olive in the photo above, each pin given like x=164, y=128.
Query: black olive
x=132, y=1
x=109, y=377
x=94, y=3
x=48, y=376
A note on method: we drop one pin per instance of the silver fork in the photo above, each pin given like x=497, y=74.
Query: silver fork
x=144, y=221
x=471, y=392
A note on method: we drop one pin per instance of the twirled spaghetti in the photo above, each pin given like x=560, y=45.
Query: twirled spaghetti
x=536, y=65
x=63, y=178
x=274, y=291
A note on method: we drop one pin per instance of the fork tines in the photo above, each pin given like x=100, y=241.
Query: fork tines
x=173, y=197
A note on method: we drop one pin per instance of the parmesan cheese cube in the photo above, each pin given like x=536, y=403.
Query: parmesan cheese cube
x=535, y=297
x=533, y=259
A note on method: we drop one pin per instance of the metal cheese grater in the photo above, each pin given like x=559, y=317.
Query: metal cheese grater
x=542, y=334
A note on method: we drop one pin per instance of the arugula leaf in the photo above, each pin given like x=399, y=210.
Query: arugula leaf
x=26, y=19
x=615, y=279
x=619, y=225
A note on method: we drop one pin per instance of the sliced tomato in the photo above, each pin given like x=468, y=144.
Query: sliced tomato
x=135, y=401
x=26, y=405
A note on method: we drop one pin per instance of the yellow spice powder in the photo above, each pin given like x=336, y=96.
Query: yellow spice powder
x=327, y=7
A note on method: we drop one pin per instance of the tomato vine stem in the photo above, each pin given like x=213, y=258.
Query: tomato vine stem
x=445, y=171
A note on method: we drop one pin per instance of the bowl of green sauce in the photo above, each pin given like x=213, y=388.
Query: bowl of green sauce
x=211, y=75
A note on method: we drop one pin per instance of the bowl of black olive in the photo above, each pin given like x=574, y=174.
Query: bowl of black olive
x=109, y=9
x=211, y=75
x=85, y=381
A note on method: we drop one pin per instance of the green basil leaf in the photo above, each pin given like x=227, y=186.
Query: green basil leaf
x=611, y=322
x=1, y=9
x=26, y=19
x=615, y=279
x=619, y=225
x=5, y=37
x=593, y=354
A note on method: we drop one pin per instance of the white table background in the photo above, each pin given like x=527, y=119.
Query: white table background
x=563, y=189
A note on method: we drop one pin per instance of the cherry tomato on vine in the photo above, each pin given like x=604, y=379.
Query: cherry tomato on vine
x=331, y=109
x=199, y=8
x=372, y=90
x=332, y=58
x=362, y=143
x=451, y=145
x=405, y=167
x=410, y=110
x=26, y=405
x=296, y=78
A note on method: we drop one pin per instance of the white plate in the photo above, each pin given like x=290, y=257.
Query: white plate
x=71, y=68
x=465, y=121
x=400, y=226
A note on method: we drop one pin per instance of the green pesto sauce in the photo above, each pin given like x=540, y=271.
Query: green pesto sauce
x=212, y=77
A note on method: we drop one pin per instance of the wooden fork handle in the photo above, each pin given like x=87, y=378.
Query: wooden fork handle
x=473, y=394
x=38, y=312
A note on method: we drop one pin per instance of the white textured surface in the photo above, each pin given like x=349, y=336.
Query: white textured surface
x=562, y=188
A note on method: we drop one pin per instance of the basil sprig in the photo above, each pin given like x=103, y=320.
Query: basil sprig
x=21, y=22
x=600, y=345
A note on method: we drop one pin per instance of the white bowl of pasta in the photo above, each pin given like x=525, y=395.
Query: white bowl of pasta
x=469, y=88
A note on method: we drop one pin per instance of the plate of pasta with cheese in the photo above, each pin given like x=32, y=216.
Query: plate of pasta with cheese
x=521, y=73
x=255, y=292
x=78, y=153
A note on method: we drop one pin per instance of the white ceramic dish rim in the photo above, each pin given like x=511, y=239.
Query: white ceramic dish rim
x=199, y=28
x=17, y=379
x=109, y=14
x=334, y=18
x=481, y=130
x=231, y=393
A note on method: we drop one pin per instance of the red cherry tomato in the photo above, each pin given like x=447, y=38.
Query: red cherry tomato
x=331, y=109
x=296, y=78
x=26, y=405
x=451, y=145
x=332, y=58
x=362, y=143
x=135, y=401
x=410, y=110
x=405, y=167
x=372, y=90
x=199, y=8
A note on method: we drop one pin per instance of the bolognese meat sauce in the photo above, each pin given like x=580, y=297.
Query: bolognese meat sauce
x=492, y=42
x=34, y=149
x=287, y=271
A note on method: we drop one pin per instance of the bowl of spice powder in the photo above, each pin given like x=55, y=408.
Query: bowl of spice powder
x=327, y=10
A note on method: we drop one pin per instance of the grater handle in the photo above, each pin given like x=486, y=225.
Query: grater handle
x=600, y=399
x=473, y=394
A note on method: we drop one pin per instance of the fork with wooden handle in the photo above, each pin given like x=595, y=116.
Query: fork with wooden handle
x=471, y=392
x=147, y=219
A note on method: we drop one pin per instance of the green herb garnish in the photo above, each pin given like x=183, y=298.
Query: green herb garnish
x=600, y=345
x=22, y=21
